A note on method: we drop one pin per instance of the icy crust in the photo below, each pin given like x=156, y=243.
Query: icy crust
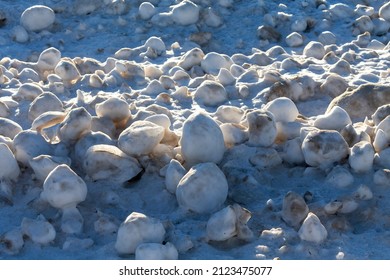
x=274, y=154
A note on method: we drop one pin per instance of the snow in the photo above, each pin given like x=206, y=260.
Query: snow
x=197, y=120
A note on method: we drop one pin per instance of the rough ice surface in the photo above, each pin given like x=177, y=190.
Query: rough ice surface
x=239, y=129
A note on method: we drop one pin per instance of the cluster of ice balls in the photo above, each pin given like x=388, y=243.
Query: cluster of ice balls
x=367, y=21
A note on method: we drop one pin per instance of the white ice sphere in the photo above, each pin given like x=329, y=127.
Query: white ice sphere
x=146, y=10
x=375, y=45
x=262, y=128
x=160, y=119
x=294, y=209
x=45, y=102
x=384, y=11
x=137, y=229
x=294, y=40
x=67, y=70
x=114, y=108
x=324, y=147
x=9, y=168
x=9, y=128
x=292, y=151
x=87, y=141
x=335, y=119
x=191, y=58
x=28, y=75
x=381, y=113
x=19, y=34
x=140, y=138
x=75, y=125
x=107, y=161
x=37, y=18
x=222, y=225
x=156, y=44
x=201, y=140
x=334, y=85
x=229, y=114
x=327, y=38
x=39, y=231
x=213, y=62
x=381, y=140
x=384, y=125
x=361, y=157
x=225, y=77
x=28, y=91
x=174, y=173
x=364, y=24
x=48, y=59
x=314, y=49
x=339, y=177
x=44, y=164
x=340, y=11
x=234, y=134
x=210, y=93
x=185, y=13
x=211, y=18
x=29, y=144
x=156, y=251
x=63, y=188
x=203, y=189
x=299, y=25
x=283, y=109
x=312, y=229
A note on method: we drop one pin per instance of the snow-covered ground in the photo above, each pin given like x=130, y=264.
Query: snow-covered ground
x=222, y=129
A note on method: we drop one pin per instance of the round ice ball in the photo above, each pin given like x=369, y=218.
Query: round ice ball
x=202, y=140
x=37, y=18
x=203, y=189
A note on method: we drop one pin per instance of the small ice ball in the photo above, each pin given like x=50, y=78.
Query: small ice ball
x=203, y=189
x=361, y=157
x=324, y=148
x=314, y=49
x=312, y=229
x=137, y=229
x=335, y=119
x=185, y=13
x=283, y=109
x=384, y=11
x=19, y=34
x=210, y=93
x=262, y=128
x=294, y=39
x=327, y=38
x=202, y=140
